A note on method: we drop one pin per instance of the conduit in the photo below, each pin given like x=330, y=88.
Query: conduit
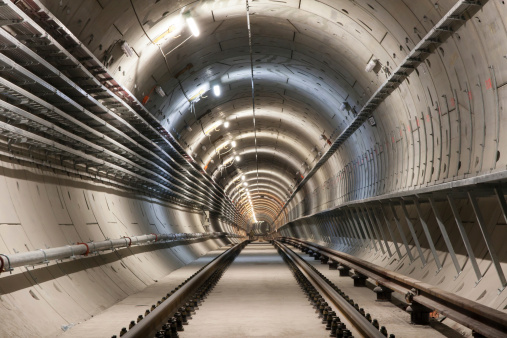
x=41, y=256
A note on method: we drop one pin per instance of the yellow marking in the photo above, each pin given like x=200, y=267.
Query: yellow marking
x=197, y=95
x=161, y=36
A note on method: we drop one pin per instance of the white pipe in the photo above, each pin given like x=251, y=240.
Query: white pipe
x=8, y=262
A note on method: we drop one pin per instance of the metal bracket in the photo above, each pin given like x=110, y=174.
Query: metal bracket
x=72, y=250
x=45, y=257
x=8, y=262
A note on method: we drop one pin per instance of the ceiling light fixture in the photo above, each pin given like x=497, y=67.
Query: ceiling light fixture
x=371, y=65
x=160, y=91
x=233, y=143
x=216, y=90
x=193, y=26
x=125, y=47
x=237, y=158
x=226, y=125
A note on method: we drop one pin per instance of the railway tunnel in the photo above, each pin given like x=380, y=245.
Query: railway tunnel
x=258, y=168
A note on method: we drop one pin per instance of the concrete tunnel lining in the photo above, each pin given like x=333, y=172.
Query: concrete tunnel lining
x=437, y=137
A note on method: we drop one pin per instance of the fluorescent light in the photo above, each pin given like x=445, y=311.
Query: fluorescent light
x=226, y=124
x=237, y=158
x=127, y=49
x=233, y=143
x=216, y=90
x=193, y=26
x=160, y=91
x=371, y=65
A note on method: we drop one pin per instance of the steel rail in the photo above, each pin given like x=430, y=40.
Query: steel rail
x=480, y=318
x=358, y=320
x=153, y=321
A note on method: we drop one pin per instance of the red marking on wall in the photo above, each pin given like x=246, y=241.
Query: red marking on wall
x=488, y=84
x=417, y=121
x=428, y=117
x=408, y=128
x=453, y=102
x=470, y=95
x=401, y=135
x=439, y=111
x=392, y=137
x=302, y=176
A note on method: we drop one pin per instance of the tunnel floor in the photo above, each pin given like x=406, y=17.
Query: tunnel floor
x=257, y=297
x=110, y=321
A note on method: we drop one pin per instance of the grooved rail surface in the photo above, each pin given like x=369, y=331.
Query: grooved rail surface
x=257, y=297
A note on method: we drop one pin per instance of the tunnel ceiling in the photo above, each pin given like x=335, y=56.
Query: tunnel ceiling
x=307, y=59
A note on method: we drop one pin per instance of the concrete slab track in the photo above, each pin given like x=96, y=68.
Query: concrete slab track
x=256, y=297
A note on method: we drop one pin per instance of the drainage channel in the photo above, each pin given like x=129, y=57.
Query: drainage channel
x=174, y=309
x=349, y=319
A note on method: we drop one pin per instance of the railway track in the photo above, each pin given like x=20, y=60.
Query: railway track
x=422, y=298
x=340, y=315
x=174, y=309
x=327, y=297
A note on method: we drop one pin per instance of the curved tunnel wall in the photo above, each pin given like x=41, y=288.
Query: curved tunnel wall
x=441, y=125
x=40, y=209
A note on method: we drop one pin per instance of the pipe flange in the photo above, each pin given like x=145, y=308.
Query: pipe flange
x=94, y=248
x=87, y=248
x=10, y=269
x=130, y=240
x=45, y=257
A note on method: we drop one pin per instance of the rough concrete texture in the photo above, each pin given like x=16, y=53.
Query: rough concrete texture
x=257, y=297
x=111, y=321
x=41, y=210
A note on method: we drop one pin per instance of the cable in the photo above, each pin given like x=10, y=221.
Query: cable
x=253, y=93
x=158, y=46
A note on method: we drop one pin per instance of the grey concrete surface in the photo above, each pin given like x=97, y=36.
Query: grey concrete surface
x=79, y=164
x=256, y=297
x=110, y=321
